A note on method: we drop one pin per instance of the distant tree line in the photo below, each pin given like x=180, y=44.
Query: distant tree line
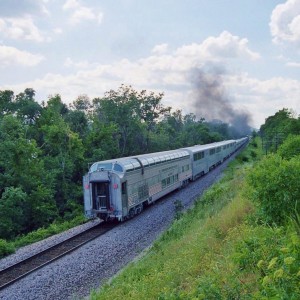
x=45, y=148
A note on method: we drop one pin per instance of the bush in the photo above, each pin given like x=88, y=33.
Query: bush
x=280, y=275
x=43, y=233
x=6, y=248
x=274, y=184
x=290, y=148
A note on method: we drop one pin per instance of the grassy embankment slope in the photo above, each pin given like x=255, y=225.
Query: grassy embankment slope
x=217, y=250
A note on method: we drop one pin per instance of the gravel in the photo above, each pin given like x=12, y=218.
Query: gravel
x=75, y=275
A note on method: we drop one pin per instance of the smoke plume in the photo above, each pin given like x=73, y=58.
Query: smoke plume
x=209, y=101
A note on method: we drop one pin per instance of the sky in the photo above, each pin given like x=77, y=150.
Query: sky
x=213, y=58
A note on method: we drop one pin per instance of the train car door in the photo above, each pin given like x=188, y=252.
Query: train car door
x=101, y=196
x=124, y=198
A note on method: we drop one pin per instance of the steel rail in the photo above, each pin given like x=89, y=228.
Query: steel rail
x=21, y=269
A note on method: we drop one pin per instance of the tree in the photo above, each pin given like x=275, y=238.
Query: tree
x=24, y=177
x=121, y=107
x=63, y=153
x=6, y=102
x=151, y=110
x=28, y=110
x=276, y=128
x=102, y=141
x=13, y=212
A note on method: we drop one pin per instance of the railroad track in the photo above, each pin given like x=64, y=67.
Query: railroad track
x=37, y=261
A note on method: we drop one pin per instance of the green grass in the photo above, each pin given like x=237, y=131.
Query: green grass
x=215, y=251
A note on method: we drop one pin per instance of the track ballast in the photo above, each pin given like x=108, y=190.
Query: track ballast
x=21, y=269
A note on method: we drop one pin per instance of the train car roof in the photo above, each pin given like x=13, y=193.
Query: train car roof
x=148, y=159
x=197, y=148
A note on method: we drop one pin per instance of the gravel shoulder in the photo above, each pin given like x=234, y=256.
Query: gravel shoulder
x=75, y=275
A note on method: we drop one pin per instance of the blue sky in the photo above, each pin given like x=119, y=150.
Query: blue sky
x=250, y=48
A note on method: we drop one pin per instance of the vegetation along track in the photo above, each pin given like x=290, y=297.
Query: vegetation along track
x=23, y=268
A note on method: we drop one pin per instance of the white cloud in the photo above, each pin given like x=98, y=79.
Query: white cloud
x=21, y=28
x=225, y=46
x=160, y=49
x=81, y=13
x=168, y=73
x=285, y=22
x=293, y=64
x=13, y=56
x=79, y=64
x=57, y=30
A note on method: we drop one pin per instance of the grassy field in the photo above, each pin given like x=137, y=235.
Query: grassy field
x=216, y=250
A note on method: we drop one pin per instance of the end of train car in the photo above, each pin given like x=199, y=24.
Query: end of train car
x=120, y=188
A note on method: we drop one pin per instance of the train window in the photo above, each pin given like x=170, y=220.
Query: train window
x=218, y=149
x=157, y=160
x=167, y=157
x=144, y=162
x=104, y=166
x=162, y=159
x=93, y=168
x=129, y=167
x=136, y=165
x=118, y=168
x=198, y=155
x=163, y=183
x=212, y=151
x=151, y=161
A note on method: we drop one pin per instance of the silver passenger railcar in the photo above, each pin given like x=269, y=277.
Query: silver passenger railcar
x=120, y=188
x=206, y=157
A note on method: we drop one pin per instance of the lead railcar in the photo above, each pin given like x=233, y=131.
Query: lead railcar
x=120, y=188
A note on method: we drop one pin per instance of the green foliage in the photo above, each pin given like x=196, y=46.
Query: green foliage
x=275, y=186
x=5, y=248
x=277, y=128
x=280, y=274
x=14, y=212
x=290, y=148
x=42, y=233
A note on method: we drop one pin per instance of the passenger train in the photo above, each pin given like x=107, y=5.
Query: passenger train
x=120, y=188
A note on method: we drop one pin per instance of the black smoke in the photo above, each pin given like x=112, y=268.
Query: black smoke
x=210, y=101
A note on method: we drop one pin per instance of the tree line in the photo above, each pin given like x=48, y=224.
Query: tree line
x=45, y=148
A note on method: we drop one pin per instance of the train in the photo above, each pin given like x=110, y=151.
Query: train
x=120, y=188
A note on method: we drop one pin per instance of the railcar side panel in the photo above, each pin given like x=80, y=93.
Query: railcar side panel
x=88, y=207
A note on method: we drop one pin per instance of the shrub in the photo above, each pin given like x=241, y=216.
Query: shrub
x=6, y=248
x=290, y=148
x=274, y=184
x=281, y=273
